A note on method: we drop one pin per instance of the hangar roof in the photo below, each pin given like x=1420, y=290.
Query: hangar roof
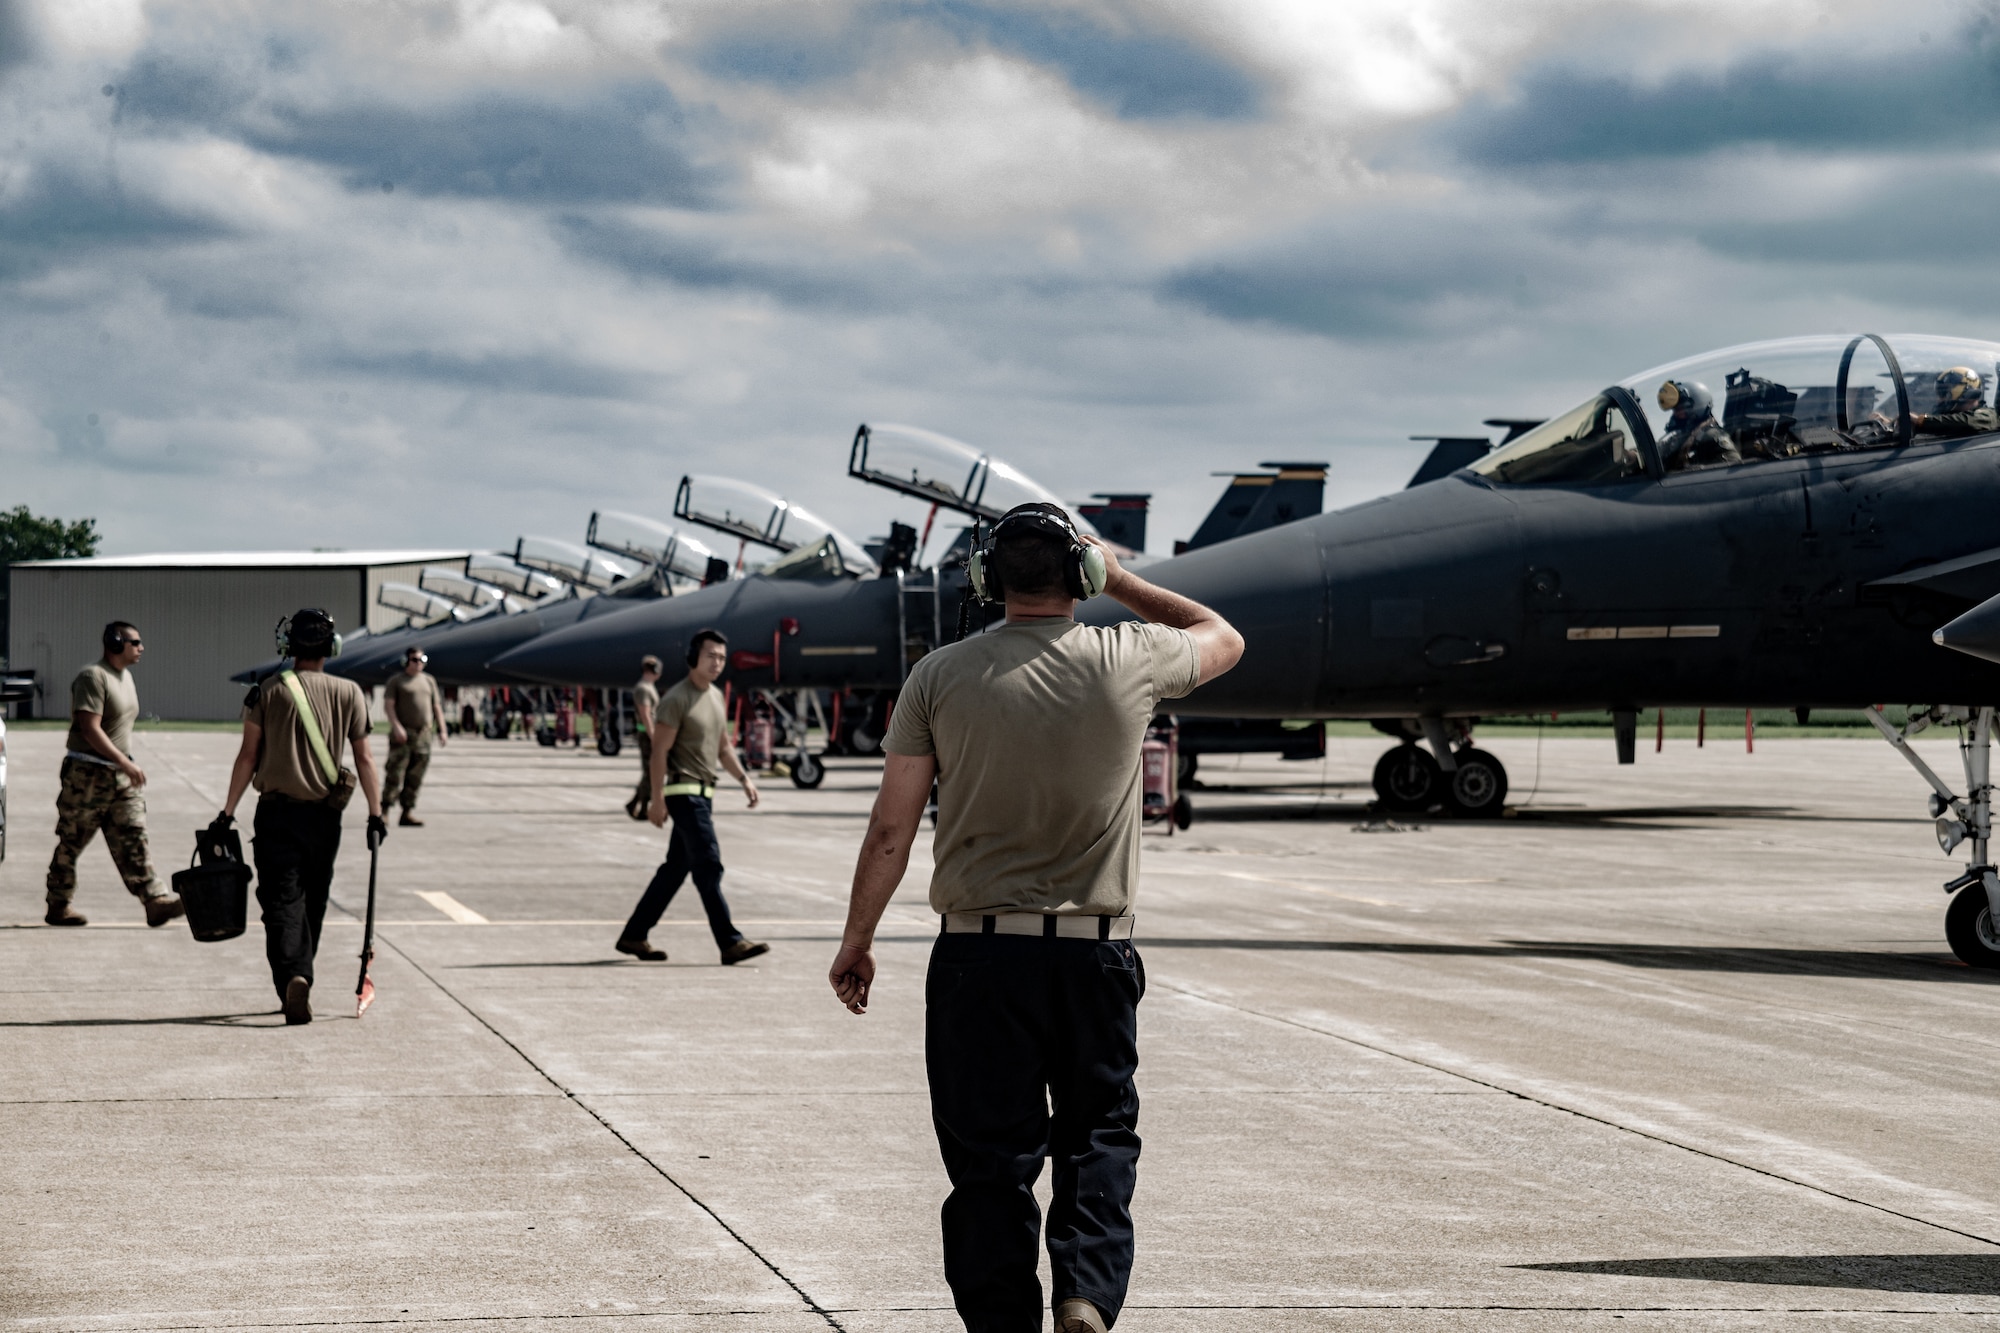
x=248, y=560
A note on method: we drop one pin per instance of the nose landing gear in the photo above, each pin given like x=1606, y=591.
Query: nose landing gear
x=1969, y=920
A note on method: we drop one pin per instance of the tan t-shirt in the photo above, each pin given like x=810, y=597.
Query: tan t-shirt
x=645, y=702
x=701, y=721
x=1036, y=727
x=285, y=761
x=114, y=696
x=410, y=700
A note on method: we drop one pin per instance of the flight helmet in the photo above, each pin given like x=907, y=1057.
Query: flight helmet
x=1686, y=401
x=1960, y=389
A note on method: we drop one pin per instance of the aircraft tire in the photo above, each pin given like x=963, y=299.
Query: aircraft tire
x=1968, y=927
x=1183, y=811
x=608, y=743
x=1408, y=781
x=1478, y=790
x=807, y=771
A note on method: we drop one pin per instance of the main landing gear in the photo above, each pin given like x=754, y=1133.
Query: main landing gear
x=1452, y=774
x=1975, y=904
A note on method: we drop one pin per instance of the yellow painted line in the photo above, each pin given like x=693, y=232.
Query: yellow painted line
x=451, y=907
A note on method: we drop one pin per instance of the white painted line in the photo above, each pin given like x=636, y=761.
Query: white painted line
x=451, y=907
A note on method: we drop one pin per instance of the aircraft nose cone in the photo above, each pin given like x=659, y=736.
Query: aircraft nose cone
x=1977, y=632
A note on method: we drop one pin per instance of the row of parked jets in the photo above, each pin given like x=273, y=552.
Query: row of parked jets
x=1818, y=538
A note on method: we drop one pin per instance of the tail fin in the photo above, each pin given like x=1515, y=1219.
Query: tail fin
x=1449, y=454
x=1258, y=500
x=1120, y=519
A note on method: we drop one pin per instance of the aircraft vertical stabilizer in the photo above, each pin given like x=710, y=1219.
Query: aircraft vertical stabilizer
x=1119, y=518
x=1259, y=500
x=1448, y=455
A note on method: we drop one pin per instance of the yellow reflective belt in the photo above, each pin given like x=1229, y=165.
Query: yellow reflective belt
x=687, y=789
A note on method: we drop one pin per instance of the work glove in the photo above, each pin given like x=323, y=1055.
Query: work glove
x=378, y=829
x=221, y=823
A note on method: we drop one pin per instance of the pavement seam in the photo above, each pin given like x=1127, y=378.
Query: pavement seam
x=1558, y=1107
x=615, y=1133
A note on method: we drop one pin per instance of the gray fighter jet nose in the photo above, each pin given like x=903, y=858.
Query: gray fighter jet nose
x=1977, y=632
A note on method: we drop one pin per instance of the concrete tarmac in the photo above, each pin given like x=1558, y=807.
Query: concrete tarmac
x=1673, y=1046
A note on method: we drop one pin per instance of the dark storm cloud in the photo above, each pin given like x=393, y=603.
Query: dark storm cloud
x=61, y=213
x=1136, y=70
x=705, y=265
x=624, y=143
x=627, y=145
x=550, y=376
x=15, y=39
x=1395, y=271
x=1946, y=92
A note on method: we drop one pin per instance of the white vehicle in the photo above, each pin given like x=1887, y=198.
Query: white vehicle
x=12, y=689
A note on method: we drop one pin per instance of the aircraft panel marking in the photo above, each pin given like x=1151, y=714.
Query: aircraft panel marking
x=855, y=650
x=1593, y=633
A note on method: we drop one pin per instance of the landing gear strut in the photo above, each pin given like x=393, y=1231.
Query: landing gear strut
x=1467, y=782
x=1975, y=905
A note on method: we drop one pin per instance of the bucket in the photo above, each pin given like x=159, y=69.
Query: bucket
x=217, y=898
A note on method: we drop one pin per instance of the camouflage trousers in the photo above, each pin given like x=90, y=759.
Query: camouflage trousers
x=94, y=797
x=404, y=773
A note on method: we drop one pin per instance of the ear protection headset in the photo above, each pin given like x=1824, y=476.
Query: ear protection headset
x=310, y=626
x=696, y=644
x=1084, y=574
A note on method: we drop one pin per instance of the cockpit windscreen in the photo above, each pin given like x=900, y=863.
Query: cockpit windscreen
x=1763, y=401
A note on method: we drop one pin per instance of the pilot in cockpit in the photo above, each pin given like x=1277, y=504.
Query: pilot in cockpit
x=1693, y=437
x=1961, y=407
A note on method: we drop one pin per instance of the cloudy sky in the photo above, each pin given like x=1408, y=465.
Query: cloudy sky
x=437, y=272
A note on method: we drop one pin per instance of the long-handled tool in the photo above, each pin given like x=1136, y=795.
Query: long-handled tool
x=364, y=989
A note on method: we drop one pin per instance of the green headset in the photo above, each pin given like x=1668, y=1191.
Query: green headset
x=311, y=626
x=1084, y=574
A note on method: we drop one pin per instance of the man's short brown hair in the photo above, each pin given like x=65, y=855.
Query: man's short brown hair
x=650, y=663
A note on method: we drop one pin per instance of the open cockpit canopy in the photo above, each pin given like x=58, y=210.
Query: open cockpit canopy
x=651, y=542
x=1763, y=401
x=946, y=472
x=753, y=514
x=502, y=572
x=571, y=563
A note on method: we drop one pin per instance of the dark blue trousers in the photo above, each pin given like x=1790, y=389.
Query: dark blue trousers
x=1031, y=1044
x=692, y=850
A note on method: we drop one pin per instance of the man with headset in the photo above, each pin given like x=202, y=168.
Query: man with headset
x=294, y=725
x=690, y=733
x=103, y=786
x=416, y=717
x=1032, y=732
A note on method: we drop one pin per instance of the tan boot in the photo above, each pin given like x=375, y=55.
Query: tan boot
x=64, y=915
x=1078, y=1316
x=164, y=908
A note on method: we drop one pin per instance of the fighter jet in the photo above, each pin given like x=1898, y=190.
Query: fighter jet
x=819, y=620
x=1778, y=524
